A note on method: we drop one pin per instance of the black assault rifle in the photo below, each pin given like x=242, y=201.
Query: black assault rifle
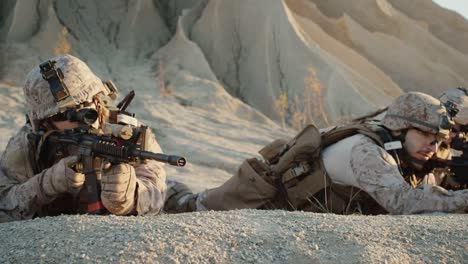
x=96, y=150
x=458, y=164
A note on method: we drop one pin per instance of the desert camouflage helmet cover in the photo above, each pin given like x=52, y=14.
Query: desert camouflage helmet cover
x=420, y=111
x=80, y=81
x=458, y=96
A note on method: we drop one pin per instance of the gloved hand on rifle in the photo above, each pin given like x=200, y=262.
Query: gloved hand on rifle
x=61, y=178
x=118, y=189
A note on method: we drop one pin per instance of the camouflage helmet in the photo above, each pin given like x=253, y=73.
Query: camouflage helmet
x=418, y=110
x=79, y=81
x=458, y=98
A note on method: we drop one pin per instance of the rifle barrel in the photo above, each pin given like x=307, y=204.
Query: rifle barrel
x=171, y=159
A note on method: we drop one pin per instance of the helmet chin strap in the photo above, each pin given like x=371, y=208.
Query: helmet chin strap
x=394, y=146
x=402, y=136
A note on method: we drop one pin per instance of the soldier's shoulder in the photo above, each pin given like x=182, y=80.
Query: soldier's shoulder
x=364, y=144
x=359, y=140
x=15, y=159
x=367, y=152
x=25, y=129
x=150, y=141
x=21, y=137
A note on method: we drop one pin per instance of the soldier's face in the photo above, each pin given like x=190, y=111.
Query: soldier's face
x=62, y=125
x=420, y=145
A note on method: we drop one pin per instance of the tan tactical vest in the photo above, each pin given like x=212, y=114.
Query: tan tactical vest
x=300, y=176
x=292, y=177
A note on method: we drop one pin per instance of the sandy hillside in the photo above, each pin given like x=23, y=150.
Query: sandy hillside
x=446, y=25
x=409, y=48
x=209, y=76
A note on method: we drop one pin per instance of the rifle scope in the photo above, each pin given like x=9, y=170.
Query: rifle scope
x=86, y=115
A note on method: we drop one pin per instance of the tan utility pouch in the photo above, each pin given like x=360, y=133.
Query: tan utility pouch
x=305, y=147
x=272, y=151
x=248, y=188
x=300, y=169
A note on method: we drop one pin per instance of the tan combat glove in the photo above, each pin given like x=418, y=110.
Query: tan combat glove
x=60, y=178
x=118, y=189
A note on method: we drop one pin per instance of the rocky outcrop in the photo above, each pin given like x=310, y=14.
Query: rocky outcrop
x=331, y=60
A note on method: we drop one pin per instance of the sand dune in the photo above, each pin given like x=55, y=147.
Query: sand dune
x=400, y=46
x=447, y=25
x=256, y=51
x=253, y=37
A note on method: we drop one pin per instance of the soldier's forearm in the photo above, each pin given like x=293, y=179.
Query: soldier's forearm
x=150, y=200
x=425, y=199
x=151, y=182
x=22, y=200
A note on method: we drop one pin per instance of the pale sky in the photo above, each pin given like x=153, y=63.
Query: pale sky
x=461, y=6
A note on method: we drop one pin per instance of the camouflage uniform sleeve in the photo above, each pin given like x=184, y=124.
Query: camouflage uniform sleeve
x=21, y=192
x=377, y=174
x=151, y=182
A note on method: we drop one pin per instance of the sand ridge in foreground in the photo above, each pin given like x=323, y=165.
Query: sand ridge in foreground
x=243, y=236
